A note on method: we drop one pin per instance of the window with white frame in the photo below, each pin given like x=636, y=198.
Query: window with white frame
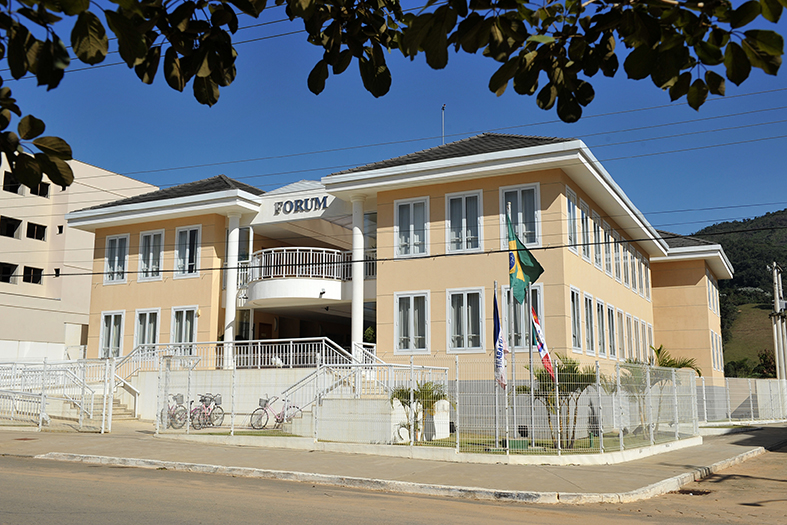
x=633, y=260
x=521, y=338
x=524, y=201
x=598, y=240
x=625, y=250
x=640, y=274
x=463, y=215
x=410, y=227
x=115, y=259
x=151, y=249
x=571, y=217
x=111, y=334
x=187, y=251
x=465, y=320
x=619, y=324
x=607, y=249
x=584, y=211
x=146, y=331
x=590, y=343
x=650, y=336
x=576, y=321
x=637, y=341
x=630, y=338
x=646, y=272
x=600, y=317
x=616, y=247
x=612, y=348
x=645, y=347
x=411, y=323
x=184, y=326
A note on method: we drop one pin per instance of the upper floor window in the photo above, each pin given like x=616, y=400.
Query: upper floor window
x=36, y=231
x=115, y=259
x=42, y=190
x=32, y=275
x=625, y=250
x=464, y=222
x=412, y=324
x=607, y=249
x=571, y=216
x=646, y=274
x=410, y=229
x=11, y=184
x=640, y=274
x=187, y=251
x=151, y=246
x=634, y=265
x=9, y=227
x=524, y=202
x=616, y=247
x=8, y=273
x=598, y=241
x=465, y=320
x=584, y=214
x=612, y=344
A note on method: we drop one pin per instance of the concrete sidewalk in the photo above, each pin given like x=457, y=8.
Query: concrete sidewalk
x=134, y=444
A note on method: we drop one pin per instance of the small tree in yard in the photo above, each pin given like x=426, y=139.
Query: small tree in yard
x=563, y=406
x=425, y=397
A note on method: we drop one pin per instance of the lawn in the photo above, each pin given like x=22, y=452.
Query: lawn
x=751, y=332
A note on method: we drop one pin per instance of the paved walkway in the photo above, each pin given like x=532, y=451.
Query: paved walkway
x=134, y=444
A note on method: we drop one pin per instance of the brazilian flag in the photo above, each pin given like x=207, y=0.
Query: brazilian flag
x=523, y=268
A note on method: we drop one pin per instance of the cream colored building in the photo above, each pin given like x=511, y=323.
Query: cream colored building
x=45, y=264
x=411, y=246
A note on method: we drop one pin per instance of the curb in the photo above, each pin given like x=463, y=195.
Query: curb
x=406, y=487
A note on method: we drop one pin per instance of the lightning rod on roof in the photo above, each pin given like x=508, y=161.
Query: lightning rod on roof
x=443, y=123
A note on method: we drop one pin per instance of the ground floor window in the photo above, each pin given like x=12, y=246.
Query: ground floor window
x=184, y=326
x=576, y=330
x=590, y=347
x=146, y=330
x=411, y=324
x=111, y=334
x=520, y=337
x=465, y=311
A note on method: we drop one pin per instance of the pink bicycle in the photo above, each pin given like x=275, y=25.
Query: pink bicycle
x=207, y=413
x=261, y=415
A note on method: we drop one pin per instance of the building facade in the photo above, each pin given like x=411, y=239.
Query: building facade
x=410, y=247
x=45, y=264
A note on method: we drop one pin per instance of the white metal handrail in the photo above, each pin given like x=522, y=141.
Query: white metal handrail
x=304, y=262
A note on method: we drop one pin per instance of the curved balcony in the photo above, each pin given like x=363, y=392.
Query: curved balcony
x=301, y=275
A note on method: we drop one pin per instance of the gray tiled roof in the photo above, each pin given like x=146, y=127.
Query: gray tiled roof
x=675, y=240
x=200, y=187
x=477, y=145
x=301, y=185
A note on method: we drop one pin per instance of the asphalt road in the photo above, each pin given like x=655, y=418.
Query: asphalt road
x=40, y=491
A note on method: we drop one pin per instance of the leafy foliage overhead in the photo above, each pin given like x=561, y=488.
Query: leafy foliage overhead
x=550, y=48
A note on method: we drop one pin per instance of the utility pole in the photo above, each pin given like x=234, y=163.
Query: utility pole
x=778, y=323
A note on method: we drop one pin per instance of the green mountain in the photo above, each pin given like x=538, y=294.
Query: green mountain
x=751, y=245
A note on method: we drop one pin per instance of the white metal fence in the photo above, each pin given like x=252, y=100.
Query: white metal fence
x=741, y=399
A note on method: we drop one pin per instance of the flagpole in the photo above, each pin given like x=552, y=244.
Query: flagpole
x=532, y=432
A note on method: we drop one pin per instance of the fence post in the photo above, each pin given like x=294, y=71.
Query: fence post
x=82, y=398
x=13, y=386
x=618, y=394
x=233, y=395
x=456, y=424
x=695, y=411
x=191, y=366
x=557, y=406
x=600, y=410
x=704, y=401
x=291, y=352
x=104, y=400
x=412, y=408
x=318, y=397
x=675, y=402
x=42, y=408
x=649, y=401
x=751, y=401
x=729, y=407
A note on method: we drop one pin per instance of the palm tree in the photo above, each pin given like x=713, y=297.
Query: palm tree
x=425, y=397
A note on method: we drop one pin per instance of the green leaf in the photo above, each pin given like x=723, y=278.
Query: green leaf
x=26, y=170
x=89, y=39
x=74, y=7
x=250, y=7
x=584, y=93
x=146, y=70
x=376, y=77
x=17, y=51
x=526, y=80
x=681, y=87
x=771, y=10
x=5, y=119
x=57, y=169
x=639, y=63
x=54, y=147
x=499, y=80
x=737, y=63
x=698, y=93
x=547, y=96
x=568, y=109
x=131, y=43
x=317, y=77
x=541, y=39
x=708, y=53
x=30, y=127
x=206, y=91
x=172, y=70
x=757, y=58
x=745, y=14
x=769, y=42
x=344, y=60
x=715, y=83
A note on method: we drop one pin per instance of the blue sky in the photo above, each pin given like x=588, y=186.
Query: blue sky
x=158, y=135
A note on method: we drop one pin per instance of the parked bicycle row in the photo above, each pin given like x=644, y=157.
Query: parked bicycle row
x=208, y=412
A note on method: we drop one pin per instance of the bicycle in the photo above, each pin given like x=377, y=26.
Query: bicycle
x=175, y=414
x=208, y=413
x=261, y=415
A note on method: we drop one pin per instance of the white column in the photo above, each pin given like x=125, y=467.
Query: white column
x=231, y=288
x=357, y=272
